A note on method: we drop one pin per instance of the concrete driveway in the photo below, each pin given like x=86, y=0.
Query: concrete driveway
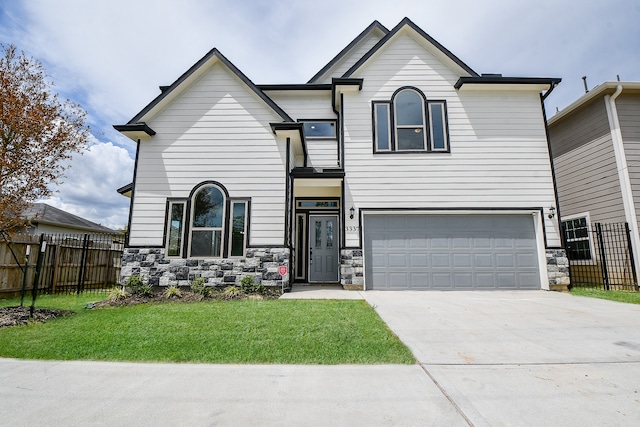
x=525, y=358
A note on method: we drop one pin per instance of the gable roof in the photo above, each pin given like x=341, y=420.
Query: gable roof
x=407, y=23
x=375, y=26
x=212, y=55
x=42, y=213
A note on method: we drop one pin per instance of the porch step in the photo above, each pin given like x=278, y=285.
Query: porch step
x=352, y=287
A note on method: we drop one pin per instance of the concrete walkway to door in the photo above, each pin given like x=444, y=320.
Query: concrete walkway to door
x=525, y=358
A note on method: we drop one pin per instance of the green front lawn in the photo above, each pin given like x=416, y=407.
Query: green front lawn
x=620, y=296
x=268, y=331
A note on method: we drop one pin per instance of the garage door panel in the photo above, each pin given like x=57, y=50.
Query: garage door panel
x=463, y=280
x=418, y=260
x=461, y=260
x=505, y=260
x=440, y=260
x=483, y=260
x=527, y=260
x=397, y=260
x=418, y=251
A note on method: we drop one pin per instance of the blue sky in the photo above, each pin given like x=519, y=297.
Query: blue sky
x=111, y=55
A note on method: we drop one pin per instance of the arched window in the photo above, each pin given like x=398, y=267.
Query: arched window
x=409, y=121
x=207, y=222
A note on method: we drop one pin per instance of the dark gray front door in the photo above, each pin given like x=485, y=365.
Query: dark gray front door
x=323, y=248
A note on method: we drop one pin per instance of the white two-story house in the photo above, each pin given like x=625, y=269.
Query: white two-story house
x=396, y=166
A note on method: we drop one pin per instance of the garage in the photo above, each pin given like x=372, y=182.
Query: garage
x=450, y=252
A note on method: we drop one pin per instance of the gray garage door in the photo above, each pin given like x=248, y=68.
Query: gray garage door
x=441, y=252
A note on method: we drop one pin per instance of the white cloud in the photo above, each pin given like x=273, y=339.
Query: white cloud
x=89, y=189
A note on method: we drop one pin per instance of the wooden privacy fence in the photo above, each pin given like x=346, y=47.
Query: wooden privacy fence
x=71, y=263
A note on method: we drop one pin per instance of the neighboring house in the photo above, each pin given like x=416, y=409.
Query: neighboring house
x=46, y=219
x=596, y=152
x=396, y=166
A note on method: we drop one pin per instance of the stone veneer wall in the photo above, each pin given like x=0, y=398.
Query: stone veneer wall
x=351, y=269
x=558, y=270
x=261, y=263
x=352, y=274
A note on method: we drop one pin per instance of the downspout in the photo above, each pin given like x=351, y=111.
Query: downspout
x=623, y=172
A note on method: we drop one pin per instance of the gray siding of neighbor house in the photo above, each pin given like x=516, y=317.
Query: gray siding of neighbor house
x=586, y=172
x=628, y=107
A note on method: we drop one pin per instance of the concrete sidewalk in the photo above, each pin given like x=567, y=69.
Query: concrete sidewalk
x=119, y=394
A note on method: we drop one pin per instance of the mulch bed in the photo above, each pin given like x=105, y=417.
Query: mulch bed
x=15, y=316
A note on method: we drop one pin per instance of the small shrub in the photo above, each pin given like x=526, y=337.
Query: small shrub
x=232, y=292
x=199, y=287
x=118, y=293
x=172, y=292
x=248, y=285
x=137, y=286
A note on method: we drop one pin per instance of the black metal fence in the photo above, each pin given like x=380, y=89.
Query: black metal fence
x=600, y=255
x=61, y=263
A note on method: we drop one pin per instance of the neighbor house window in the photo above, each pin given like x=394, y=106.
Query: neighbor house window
x=409, y=122
x=578, y=238
x=175, y=232
x=319, y=129
x=207, y=222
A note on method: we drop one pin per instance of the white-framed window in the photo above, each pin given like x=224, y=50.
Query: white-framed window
x=410, y=123
x=577, y=229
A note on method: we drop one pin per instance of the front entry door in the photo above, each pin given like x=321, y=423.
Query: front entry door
x=323, y=248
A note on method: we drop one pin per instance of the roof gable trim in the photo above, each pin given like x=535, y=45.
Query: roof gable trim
x=212, y=54
x=373, y=26
x=406, y=22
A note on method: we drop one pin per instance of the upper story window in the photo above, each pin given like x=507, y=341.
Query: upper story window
x=409, y=122
x=319, y=129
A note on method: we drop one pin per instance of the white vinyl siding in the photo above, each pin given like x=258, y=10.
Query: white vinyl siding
x=205, y=134
x=304, y=104
x=311, y=105
x=498, y=149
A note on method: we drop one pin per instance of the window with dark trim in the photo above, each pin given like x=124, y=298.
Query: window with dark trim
x=217, y=225
x=207, y=222
x=319, y=129
x=410, y=123
x=175, y=228
x=238, y=240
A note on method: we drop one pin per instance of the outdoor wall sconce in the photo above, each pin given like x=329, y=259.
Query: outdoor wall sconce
x=352, y=211
x=552, y=212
